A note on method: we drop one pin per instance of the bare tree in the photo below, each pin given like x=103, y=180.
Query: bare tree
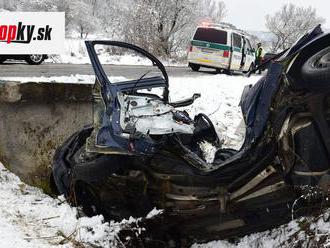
x=10, y=5
x=211, y=10
x=83, y=19
x=165, y=27
x=78, y=14
x=36, y=5
x=289, y=23
x=153, y=24
x=162, y=27
x=114, y=16
x=50, y=5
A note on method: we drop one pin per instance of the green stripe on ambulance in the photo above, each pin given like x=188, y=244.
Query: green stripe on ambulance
x=210, y=45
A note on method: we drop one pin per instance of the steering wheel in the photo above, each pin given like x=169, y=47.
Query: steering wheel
x=204, y=130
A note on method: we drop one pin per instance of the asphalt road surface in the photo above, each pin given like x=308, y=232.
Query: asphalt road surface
x=129, y=71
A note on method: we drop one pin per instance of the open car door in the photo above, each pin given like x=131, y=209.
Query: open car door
x=129, y=112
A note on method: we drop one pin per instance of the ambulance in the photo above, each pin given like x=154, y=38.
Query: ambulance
x=220, y=46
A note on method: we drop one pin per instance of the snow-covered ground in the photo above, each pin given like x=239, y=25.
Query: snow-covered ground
x=29, y=218
x=220, y=96
x=75, y=53
x=303, y=232
x=78, y=78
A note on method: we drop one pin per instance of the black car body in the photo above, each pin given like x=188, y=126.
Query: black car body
x=142, y=152
x=32, y=59
x=269, y=56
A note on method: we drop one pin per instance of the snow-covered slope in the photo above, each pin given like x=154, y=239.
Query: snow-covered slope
x=303, y=232
x=75, y=53
x=220, y=97
x=29, y=218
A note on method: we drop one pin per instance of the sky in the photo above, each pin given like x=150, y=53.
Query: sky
x=250, y=14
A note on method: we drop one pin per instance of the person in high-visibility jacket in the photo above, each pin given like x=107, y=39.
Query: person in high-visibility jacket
x=259, y=56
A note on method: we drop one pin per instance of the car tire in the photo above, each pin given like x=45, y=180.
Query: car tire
x=316, y=70
x=62, y=165
x=228, y=72
x=195, y=67
x=86, y=197
x=35, y=59
x=80, y=177
x=218, y=71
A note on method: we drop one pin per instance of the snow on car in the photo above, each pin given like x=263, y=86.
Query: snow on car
x=144, y=151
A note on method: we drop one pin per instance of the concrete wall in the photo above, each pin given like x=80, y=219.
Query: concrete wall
x=35, y=118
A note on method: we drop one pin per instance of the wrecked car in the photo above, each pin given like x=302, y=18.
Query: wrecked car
x=142, y=151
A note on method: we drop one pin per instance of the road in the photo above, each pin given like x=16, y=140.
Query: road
x=128, y=71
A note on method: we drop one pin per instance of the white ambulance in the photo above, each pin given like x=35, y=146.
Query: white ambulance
x=220, y=46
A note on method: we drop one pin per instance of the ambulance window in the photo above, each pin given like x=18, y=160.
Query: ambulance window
x=211, y=35
x=237, y=40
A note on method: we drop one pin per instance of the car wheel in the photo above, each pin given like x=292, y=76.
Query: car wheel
x=228, y=72
x=62, y=166
x=218, y=71
x=316, y=69
x=87, y=198
x=35, y=59
x=87, y=180
x=195, y=67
